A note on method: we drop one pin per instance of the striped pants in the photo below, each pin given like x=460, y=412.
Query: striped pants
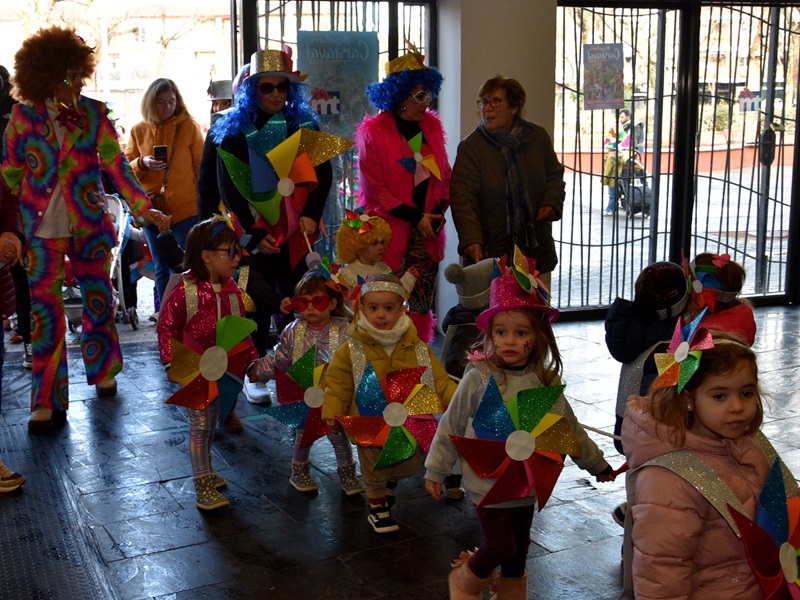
x=102, y=357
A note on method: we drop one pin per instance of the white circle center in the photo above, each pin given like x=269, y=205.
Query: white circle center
x=395, y=414
x=681, y=352
x=214, y=363
x=697, y=286
x=364, y=218
x=286, y=187
x=788, y=558
x=418, y=157
x=520, y=445
x=314, y=397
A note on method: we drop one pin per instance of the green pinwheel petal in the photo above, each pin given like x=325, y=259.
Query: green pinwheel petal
x=302, y=371
x=268, y=204
x=688, y=368
x=232, y=329
x=532, y=405
x=416, y=142
x=400, y=445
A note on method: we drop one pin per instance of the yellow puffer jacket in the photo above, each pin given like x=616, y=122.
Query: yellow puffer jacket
x=182, y=185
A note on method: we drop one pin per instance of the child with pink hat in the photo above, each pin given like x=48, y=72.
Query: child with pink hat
x=511, y=423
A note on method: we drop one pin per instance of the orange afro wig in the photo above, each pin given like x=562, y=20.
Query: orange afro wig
x=349, y=241
x=44, y=59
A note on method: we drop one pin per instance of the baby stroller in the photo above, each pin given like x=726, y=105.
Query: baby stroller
x=633, y=191
x=73, y=303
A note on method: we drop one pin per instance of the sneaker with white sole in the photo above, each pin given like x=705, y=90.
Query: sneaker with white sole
x=27, y=356
x=256, y=393
x=380, y=517
x=9, y=480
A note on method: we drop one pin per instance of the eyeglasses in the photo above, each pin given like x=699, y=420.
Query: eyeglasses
x=267, y=88
x=422, y=96
x=232, y=252
x=321, y=303
x=494, y=103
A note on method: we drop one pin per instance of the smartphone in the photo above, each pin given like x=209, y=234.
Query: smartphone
x=160, y=153
x=439, y=225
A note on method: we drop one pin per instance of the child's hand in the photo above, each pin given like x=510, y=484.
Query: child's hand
x=434, y=489
x=286, y=306
x=606, y=478
x=330, y=422
x=414, y=272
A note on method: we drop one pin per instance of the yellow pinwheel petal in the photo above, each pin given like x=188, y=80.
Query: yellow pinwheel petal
x=561, y=439
x=430, y=162
x=185, y=363
x=546, y=423
x=321, y=146
x=423, y=401
x=282, y=156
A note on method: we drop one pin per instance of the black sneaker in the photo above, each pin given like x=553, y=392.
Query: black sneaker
x=381, y=519
x=27, y=356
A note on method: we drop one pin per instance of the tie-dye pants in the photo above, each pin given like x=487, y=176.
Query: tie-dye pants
x=102, y=357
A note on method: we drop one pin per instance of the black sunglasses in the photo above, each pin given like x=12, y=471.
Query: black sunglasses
x=267, y=88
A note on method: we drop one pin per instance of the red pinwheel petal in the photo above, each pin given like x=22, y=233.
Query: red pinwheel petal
x=423, y=428
x=512, y=483
x=314, y=428
x=483, y=456
x=708, y=297
x=762, y=554
x=238, y=359
x=366, y=431
x=398, y=385
x=545, y=469
x=197, y=394
x=287, y=389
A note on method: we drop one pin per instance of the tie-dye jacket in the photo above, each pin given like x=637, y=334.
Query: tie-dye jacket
x=34, y=163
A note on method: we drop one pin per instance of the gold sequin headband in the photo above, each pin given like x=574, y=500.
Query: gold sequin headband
x=383, y=286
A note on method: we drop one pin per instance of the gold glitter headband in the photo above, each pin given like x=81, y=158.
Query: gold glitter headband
x=383, y=286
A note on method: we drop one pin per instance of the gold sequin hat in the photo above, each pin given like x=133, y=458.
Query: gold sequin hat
x=407, y=62
x=275, y=63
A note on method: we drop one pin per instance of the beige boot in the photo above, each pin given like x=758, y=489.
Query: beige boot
x=511, y=588
x=208, y=498
x=464, y=584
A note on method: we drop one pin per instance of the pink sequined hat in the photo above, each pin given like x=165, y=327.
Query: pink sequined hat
x=515, y=288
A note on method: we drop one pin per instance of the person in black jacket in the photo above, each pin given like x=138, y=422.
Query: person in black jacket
x=270, y=105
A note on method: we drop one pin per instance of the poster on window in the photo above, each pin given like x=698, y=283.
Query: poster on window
x=339, y=67
x=603, y=85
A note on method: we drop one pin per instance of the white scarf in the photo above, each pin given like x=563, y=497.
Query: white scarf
x=387, y=338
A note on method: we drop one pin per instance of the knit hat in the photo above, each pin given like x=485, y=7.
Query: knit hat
x=517, y=287
x=472, y=283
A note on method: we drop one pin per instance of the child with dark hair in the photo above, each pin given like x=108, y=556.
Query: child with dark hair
x=322, y=324
x=717, y=282
x=636, y=330
x=206, y=294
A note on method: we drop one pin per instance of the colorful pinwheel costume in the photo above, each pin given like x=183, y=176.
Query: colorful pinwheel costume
x=190, y=338
x=679, y=526
x=270, y=170
x=296, y=365
x=725, y=312
x=364, y=359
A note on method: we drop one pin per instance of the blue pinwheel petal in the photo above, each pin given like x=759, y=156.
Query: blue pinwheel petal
x=496, y=272
x=370, y=399
x=292, y=415
x=229, y=388
x=492, y=420
x=772, y=515
x=263, y=176
x=688, y=331
x=408, y=163
x=709, y=281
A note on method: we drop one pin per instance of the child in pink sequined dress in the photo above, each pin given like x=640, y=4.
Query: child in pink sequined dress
x=206, y=294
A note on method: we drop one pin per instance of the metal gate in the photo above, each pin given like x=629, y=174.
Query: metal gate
x=709, y=189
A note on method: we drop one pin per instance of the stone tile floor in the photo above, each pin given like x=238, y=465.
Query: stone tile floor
x=110, y=501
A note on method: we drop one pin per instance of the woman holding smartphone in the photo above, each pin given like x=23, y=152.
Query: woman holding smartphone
x=405, y=176
x=165, y=151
